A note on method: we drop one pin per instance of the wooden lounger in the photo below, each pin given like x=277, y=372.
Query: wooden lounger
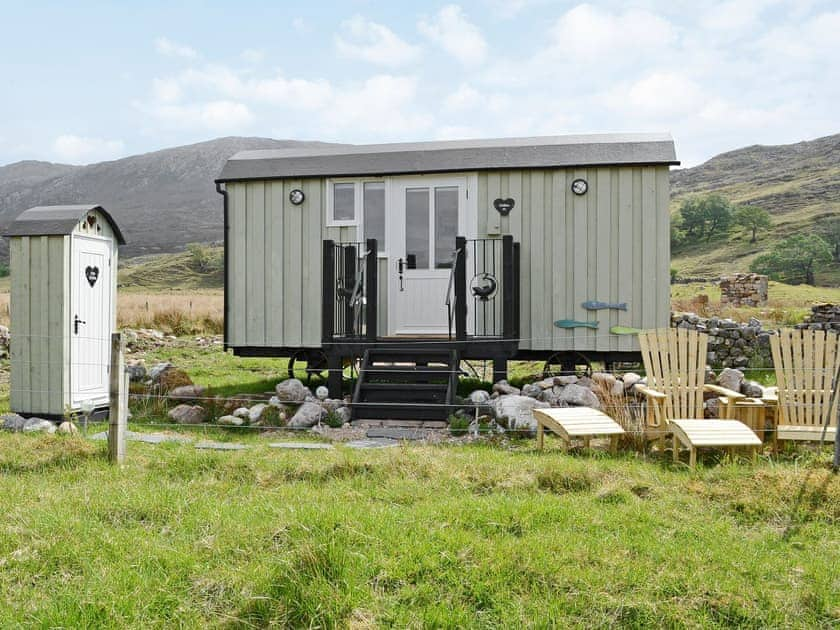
x=694, y=434
x=576, y=422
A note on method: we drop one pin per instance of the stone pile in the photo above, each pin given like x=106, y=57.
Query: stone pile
x=823, y=317
x=731, y=344
x=743, y=289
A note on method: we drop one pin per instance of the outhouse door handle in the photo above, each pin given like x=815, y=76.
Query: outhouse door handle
x=76, y=322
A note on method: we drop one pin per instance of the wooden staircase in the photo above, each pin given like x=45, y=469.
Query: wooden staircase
x=406, y=387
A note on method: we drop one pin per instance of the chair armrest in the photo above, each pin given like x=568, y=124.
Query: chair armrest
x=722, y=391
x=651, y=393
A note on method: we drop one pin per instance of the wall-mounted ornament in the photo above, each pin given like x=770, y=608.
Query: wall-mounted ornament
x=483, y=286
x=624, y=330
x=504, y=206
x=580, y=186
x=296, y=196
x=592, y=305
x=92, y=274
x=573, y=323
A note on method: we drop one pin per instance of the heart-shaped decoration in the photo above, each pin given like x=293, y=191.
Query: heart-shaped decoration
x=504, y=206
x=92, y=274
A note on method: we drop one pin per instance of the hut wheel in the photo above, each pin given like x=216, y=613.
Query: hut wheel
x=316, y=364
x=567, y=363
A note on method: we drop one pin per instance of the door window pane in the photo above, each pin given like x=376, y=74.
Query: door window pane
x=344, y=202
x=374, y=205
x=446, y=225
x=417, y=228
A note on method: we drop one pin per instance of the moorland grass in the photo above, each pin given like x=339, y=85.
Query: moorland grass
x=440, y=536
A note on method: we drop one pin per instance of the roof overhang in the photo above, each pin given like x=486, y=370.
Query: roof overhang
x=57, y=220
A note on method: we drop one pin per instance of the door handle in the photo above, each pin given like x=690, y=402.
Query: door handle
x=400, y=269
x=76, y=322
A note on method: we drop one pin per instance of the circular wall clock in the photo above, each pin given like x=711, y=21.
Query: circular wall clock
x=296, y=196
x=580, y=186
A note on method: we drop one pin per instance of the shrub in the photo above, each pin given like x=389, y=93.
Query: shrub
x=334, y=420
x=459, y=425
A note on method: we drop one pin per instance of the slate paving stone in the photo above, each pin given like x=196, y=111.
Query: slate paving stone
x=220, y=446
x=302, y=445
x=372, y=443
x=148, y=438
x=397, y=433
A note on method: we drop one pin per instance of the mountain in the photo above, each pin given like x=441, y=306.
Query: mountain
x=798, y=184
x=161, y=200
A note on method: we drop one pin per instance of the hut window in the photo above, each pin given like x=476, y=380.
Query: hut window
x=344, y=202
x=373, y=200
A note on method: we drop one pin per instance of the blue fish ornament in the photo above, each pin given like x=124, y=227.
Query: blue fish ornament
x=592, y=305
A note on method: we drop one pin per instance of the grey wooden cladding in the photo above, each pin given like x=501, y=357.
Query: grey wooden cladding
x=39, y=343
x=611, y=244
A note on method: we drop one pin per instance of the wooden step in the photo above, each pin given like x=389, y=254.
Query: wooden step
x=416, y=393
x=408, y=373
x=363, y=411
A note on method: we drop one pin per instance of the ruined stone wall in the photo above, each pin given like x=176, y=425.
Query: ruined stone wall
x=823, y=317
x=743, y=289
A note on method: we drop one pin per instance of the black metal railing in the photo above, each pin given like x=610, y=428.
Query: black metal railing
x=349, y=291
x=485, y=275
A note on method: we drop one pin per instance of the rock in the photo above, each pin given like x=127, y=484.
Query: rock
x=344, y=414
x=752, y=389
x=617, y=389
x=630, y=379
x=755, y=322
x=517, y=410
x=12, y=422
x=157, y=369
x=604, y=379
x=256, y=412
x=546, y=383
x=322, y=393
x=172, y=378
x=293, y=390
x=230, y=421
x=188, y=414
x=67, y=428
x=504, y=388
x=241, y=412
x=569, y=379
x=136, y=371
x=38, y=425
x=741, y=361
x=731, y=379
x=274, y=401
x=479, y=397
x=332, y=404
x=584, y=381
x=579, y=396
x=308, y=415
x=712, y=407
x=531, y=390
x=188, y=392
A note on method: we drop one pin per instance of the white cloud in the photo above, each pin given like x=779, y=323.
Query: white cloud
x=173, y=49
x=166, y=90
x=374, y=43
x=451, y=30
x=657, y=94
x=382, y=104
x=252, y=55
x=83, y=150
x=215, y=116
x=734, y=15
x=465, y=97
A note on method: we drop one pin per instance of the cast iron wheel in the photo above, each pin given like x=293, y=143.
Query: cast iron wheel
x=567, y=364
x=316, y=364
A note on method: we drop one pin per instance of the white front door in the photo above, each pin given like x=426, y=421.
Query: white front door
x=428, y=213
x=90, y=319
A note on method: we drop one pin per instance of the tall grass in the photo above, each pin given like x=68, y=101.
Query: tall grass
x=172, y=313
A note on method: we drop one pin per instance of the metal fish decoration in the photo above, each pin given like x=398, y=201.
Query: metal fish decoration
x=573, y=323
x=624, y=330
x=592, y=305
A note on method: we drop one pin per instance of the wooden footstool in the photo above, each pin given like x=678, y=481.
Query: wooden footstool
x=577, y=422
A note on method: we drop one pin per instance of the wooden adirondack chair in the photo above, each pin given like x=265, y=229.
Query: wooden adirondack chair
x=806, y=362
x=675, y=362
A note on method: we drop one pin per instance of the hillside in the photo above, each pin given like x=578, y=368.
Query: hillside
x=161, y=200
x=798, y=184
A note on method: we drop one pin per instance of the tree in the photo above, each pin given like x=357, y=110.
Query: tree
x=752, y=218
x=796, y=259
x=705, y=216
x=830, y=231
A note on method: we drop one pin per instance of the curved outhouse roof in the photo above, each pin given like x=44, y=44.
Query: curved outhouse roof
x=454, y=155
x=56, y=220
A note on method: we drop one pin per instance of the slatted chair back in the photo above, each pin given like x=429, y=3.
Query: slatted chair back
x=675, y=363
x=805, y=362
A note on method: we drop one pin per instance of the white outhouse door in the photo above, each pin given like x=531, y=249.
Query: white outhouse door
x=90, y=319
x=428, y=213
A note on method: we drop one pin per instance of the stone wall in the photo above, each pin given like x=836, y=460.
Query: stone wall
x=731, y=344
x=743, y=289
x=823, y=317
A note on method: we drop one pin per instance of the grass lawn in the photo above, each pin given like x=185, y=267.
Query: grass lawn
x=445, y=536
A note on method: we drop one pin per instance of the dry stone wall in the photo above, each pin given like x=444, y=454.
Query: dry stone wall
x=823, y=317
x=743, y=289
x=731, y=344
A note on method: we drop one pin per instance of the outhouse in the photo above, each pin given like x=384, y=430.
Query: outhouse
x=63, y=262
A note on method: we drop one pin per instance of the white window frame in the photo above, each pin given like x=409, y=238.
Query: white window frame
x=359, y=205
x=331, y=221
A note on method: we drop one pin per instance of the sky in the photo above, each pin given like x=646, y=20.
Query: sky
x=90, y=81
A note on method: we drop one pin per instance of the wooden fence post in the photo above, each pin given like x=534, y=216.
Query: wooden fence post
x=118, y=411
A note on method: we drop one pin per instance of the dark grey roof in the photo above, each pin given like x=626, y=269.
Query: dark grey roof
x=53, y=220
x=456, y=155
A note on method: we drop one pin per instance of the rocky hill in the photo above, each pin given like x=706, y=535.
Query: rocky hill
x=161, y=200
